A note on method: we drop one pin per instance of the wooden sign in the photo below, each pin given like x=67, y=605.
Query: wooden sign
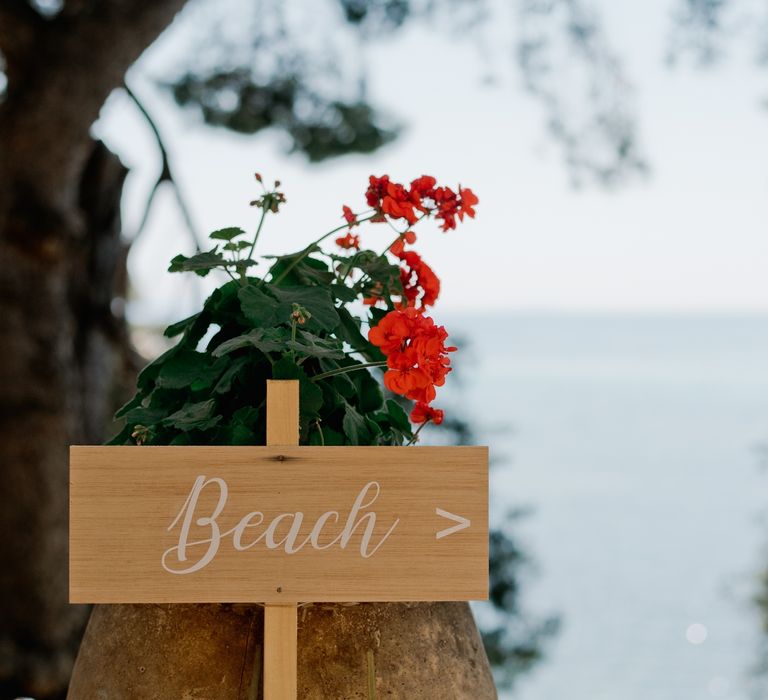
x=278, y=524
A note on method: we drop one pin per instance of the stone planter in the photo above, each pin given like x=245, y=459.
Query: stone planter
x=419, y=651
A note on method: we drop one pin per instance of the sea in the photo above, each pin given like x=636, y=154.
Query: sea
x=635, y=445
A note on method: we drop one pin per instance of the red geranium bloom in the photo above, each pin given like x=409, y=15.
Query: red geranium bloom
x=377, y=189
x=422, y=413
x=349, y=241
x=447, y=207
x=349, y=215
x=417, y=357
x=399, y=245
x=400, y=202
x=424, y=186
x=420, y=284
x=468, y=201
x=392, y=332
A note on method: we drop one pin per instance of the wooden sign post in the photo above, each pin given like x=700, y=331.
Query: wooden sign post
x=281, y=621
x=278, y=524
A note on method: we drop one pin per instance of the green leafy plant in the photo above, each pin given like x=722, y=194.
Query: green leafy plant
x=326, y=318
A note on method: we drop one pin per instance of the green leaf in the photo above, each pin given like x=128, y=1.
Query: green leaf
x=342, y=293
x=180, y=326
x=227, y=379
x=355, y=427
x=348, y=330
x=207, y=378
x=133, y=403
x=242, y=426
x=236, y=246
x=379, y=274
x=330, y=437
x=317, y=300
x=184, y=368
x=343, y=384
x=223, y=298
x=259, y=308
x=147, y=376
x=308, y=270
x=370, y=397
x=145, y=415
x=242, y=265
x=227, y=234
x=194, y=416
x=397, y=416
x=394, y=426
x=310, y=345
x=377, y=315
x=374, y=429
x=264, y=339
x=201, y=263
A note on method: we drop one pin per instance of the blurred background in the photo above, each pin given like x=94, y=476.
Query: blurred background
x=610, y=300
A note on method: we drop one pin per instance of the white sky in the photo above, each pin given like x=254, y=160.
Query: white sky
x=691, y=237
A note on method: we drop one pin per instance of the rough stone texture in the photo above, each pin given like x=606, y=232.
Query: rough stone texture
x=419, y=651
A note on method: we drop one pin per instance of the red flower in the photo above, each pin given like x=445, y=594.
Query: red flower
x=447, y=207
x=417, y=356
x=391, y=333
x=349, y=241
x=424, y=186
x=392, y=199
x=468, y=201
x=349, y=215
x=399, y=245
x=420, y=284
x=377, y=189
x=399, y=202
x=422, y=413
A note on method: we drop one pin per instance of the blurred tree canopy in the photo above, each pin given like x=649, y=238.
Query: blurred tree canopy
x=284, y=71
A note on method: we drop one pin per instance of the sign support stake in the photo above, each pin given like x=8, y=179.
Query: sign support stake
x=281, y=621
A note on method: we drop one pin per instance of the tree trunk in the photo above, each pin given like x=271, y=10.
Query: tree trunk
x=62, y=266
x=62, y=350
x=142, y=652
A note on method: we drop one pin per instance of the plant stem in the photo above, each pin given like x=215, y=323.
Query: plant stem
x=258, y=231
x=350, y=267
x=416, y=434
x=345, y=370
x=293, y=338
x=306, y=251
x=166, y=174
x=320, y=430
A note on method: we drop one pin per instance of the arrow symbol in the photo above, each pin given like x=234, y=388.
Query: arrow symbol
x=463, y=523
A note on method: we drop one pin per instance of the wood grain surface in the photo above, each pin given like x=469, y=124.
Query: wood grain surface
x=281, y=621
x=124, y=500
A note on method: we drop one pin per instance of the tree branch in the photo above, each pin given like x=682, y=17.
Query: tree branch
x=166, y=175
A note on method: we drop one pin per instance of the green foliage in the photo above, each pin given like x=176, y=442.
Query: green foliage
x=294, y=326
x=202, y=263
x=318, y=126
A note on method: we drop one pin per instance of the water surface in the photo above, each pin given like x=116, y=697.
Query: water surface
x=635, y=441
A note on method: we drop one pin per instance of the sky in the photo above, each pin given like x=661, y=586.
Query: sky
x=689, y=237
